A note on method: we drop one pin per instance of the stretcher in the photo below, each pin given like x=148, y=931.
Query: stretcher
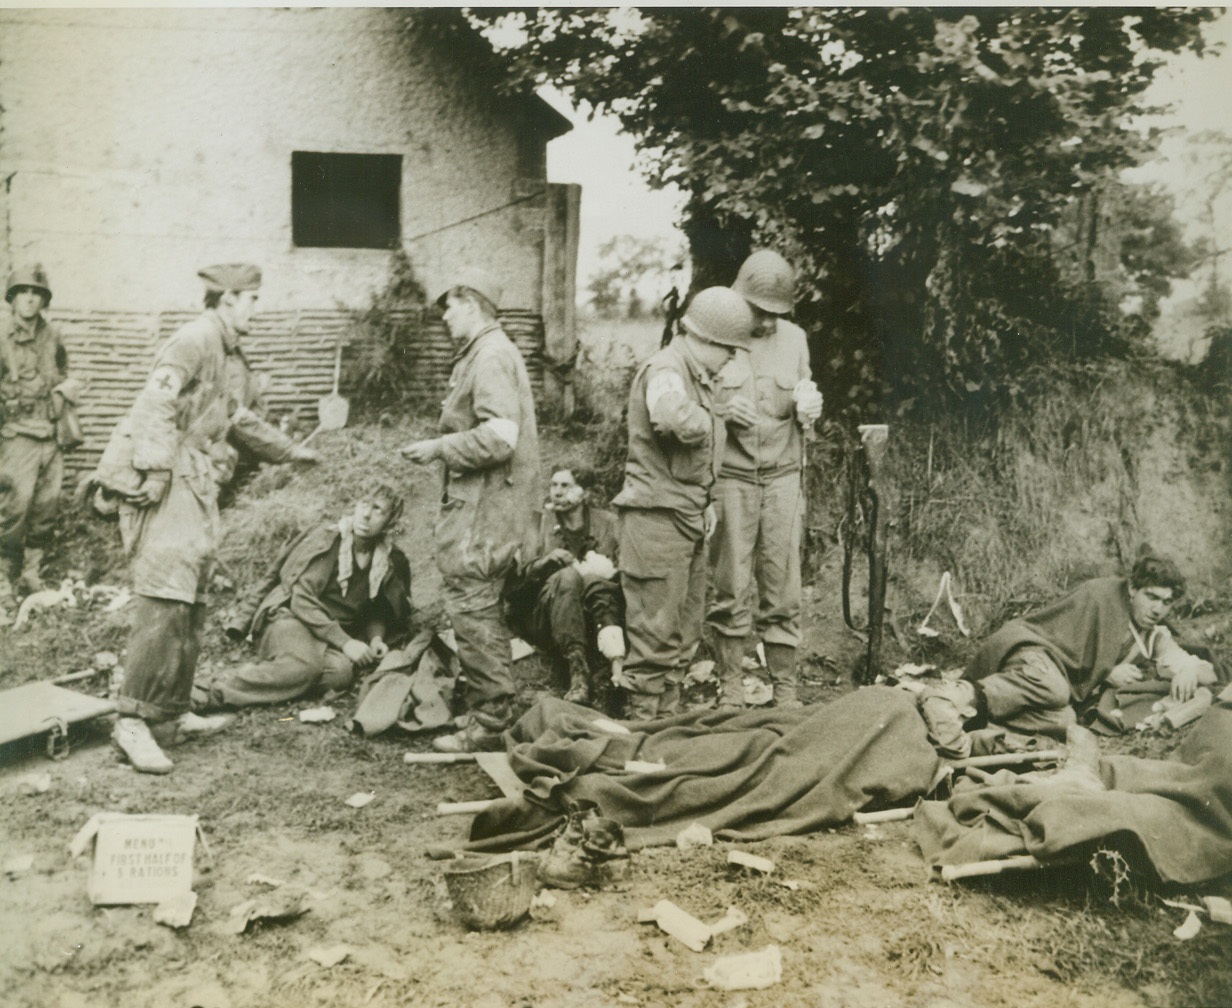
x=42, y=707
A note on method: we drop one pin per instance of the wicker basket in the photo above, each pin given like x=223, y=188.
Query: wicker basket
x=494, y=892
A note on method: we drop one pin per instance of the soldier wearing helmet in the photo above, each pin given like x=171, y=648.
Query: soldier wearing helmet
x=769, y=400
x=489, y=450
x=34, y=388
x=675, y=445
x=160, y=471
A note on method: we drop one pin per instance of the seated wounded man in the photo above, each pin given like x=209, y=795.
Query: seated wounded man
x=565, y=600
x=1037, y=674
x=336, y=598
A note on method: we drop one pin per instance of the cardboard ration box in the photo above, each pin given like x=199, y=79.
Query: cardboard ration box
x=138, y=858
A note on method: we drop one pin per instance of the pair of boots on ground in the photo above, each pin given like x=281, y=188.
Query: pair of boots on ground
x=588, y=850
x=729, y=667
x=142, y=742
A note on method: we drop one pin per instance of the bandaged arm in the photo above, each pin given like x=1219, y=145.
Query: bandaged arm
x=672, y=412
x=1171, y=658
x=495, y=402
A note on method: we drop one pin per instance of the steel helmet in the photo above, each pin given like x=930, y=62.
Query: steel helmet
x=767, y=280
x=29, y=276
x=720, y=315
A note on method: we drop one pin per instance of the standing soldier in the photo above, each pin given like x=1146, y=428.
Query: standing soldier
x=162, y=468
x=34, y=390
x=675, y=444
x=490, y=448
x=770, y=400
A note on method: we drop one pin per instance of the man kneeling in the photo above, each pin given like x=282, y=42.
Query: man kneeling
x=1037, y=674
x=337, y=595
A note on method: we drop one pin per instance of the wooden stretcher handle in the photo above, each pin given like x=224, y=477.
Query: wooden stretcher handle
x=464, y=807
x=1010, y=759
x=438, y=757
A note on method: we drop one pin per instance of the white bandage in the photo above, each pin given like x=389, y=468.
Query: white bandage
x=611, y=642
x=596, y=564
x=808, y=400
x=504, y=429
x=663, y=383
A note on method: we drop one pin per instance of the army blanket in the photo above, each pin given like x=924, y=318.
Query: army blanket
x=1179, y=811
x=746, y=775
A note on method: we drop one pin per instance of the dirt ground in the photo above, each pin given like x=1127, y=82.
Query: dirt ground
x=866, y=928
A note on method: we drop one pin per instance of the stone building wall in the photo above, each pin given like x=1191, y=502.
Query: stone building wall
x=137, y=145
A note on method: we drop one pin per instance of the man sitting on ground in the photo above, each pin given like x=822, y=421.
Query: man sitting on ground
x=336, y=597
x=1033, y=673
x=566, y=600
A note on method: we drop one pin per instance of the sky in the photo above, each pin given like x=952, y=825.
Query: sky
x=617, y=200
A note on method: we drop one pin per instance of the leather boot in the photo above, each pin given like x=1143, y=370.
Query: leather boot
x=781, y=665
x=729, y=667
x=31, y=580
x=579, y=676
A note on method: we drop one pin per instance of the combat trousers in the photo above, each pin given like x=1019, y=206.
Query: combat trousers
x=31, y=474
x=1030, y=693
x=663, y=575
x=292, y=663
x=483, y=647
x=569, y=611
x=756, y=547
x=162, y=658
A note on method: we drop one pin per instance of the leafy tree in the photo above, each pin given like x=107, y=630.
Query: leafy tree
x=633, y=274
x=916, y=164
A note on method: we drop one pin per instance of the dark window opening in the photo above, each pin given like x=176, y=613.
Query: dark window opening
x=345, y=200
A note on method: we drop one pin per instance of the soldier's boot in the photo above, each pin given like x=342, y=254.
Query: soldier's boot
x=133, y=738
x=729, y=667
x=781, y=665
x=579, y=675
x=31, y=580
x=483, y=731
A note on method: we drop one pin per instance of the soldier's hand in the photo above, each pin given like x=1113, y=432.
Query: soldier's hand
x=553, y=562
x=378, y=648
x=422, y=452
x=357, y=651
x=1184, y=684
x=153, y=489
x=1124, y=674
x=740, y=410
x=710, y=518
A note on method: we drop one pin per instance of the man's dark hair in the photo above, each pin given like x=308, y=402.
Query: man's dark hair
x=583, y=475
x=1157, y=572
x=213, y=298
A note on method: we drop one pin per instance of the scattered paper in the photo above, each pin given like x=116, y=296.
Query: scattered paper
x=603, y=724
x=642, y=766
x=677, y=923
x=177, y=912
x=911, y=669
x=519, y=649
x=360, y=798
x=280, y=905
x=757, y=691
x=753, y=861
x=751, y=971
x=328, y=956
x=734, y=918
x=105, y=661
x=1190, y=928
x=19, y=865
x=1219, y=908
x=317, y=715
x=35, y=784
x=694, y=835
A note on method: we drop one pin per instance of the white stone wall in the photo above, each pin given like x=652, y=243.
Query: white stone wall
x=139, y=145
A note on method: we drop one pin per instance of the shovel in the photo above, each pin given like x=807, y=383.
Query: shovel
x=332, y=409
